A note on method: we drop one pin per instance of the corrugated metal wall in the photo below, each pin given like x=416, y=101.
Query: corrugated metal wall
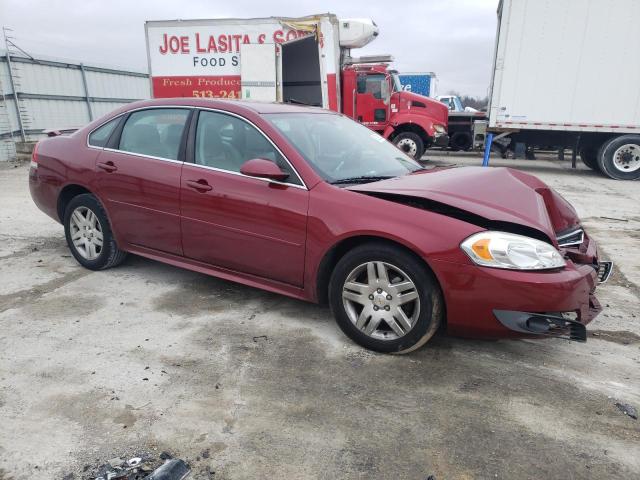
x=52, y=95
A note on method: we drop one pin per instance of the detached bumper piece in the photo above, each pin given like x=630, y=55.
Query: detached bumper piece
x=543, y=324
x=604, y=271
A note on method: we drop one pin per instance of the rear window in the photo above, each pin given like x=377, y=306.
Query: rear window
x=100, y=136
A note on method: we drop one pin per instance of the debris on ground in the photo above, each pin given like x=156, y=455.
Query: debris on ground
x=141, y=468
x=627, y=410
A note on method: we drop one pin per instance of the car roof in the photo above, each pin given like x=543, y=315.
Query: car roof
x=237, y=106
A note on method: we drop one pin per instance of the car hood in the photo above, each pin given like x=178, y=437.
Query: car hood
x=491, y=197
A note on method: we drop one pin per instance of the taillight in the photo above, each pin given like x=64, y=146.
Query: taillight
x=34, y=156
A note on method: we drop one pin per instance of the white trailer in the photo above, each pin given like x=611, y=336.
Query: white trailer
x=567, y=74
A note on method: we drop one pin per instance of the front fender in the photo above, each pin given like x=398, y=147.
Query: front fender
x=397, y=120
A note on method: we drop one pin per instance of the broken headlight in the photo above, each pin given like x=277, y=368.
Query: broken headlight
x=510, y=251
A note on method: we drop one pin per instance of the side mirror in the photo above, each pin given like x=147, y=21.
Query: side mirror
x=261, y=168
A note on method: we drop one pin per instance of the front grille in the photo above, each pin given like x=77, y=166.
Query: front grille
x=571, y=239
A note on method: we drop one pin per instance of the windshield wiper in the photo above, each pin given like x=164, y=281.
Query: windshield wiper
x=361, y=179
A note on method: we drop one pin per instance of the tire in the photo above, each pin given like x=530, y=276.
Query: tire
x=460, y=141
x=410, y=143
x=619, y=157
x=589, y=156
x=353, y=278
x=85, y=211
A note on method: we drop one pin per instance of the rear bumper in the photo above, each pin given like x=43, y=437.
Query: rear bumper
x=475, y=298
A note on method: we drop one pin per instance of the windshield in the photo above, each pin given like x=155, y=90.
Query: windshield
x=341, y=150
x=397, y=86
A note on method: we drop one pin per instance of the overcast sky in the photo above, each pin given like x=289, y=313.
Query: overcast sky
x=453, y=38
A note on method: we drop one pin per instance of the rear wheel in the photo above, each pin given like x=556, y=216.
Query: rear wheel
x=384, y=300
x=619, y=157
x=589, y=156
x=410, y=143
x=460, y=141
x=88, y=234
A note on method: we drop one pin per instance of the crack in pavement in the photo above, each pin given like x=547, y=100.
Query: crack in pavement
x=16, y=299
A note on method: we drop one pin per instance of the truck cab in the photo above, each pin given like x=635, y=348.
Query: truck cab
x=372, y=95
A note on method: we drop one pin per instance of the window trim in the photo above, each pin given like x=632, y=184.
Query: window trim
x=121, y=125
x=191, y=151
x=191, y=124
x=117, y=119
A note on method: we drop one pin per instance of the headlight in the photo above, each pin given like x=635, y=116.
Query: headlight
x=516, y=252
x=439, y=128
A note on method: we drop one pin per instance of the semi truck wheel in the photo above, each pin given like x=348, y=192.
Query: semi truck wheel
x=410, y=143
x=460, y=141
x=589, y=156
x=619, y=157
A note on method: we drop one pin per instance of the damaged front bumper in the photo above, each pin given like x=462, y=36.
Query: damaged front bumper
x=550, y=325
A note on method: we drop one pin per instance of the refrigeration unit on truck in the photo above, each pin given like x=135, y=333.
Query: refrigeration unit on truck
x=303, y=60
x=567, y=74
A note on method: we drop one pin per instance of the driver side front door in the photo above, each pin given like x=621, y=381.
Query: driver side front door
x=230, y=220
x=371, y=100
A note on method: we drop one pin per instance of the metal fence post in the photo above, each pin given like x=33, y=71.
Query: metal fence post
x=86, y=91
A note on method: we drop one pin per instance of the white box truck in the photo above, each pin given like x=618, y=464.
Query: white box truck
x=566, y=73
x=304, y=60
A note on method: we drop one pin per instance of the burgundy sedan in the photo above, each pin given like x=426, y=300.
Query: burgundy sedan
x=310, y=204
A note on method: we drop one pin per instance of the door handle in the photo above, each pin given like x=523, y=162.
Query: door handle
x=107, y=166
x=200, y=185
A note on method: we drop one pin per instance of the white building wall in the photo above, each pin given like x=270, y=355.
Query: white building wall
x=53, y=96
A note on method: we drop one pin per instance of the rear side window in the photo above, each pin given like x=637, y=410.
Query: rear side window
x=155, y=132
x=100, y=136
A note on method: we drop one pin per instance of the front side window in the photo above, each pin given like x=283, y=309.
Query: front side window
x=226, y=142
x=156, y=132
x=100, y=136
x=341, y=150
x=372, y=84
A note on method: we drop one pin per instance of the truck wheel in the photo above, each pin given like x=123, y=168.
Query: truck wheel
x=619, y=157
x=460, y=141
x=410, y=143
x=589, y=156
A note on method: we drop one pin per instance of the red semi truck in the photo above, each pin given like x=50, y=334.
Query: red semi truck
x=297, y=60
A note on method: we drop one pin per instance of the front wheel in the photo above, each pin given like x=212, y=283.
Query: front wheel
x=384, y=299
x=410, y=143
x=619, y=157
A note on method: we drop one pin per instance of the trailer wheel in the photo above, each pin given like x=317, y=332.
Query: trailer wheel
x=410, y=143
x=589, y=156
x=460, y=141
x=619, y=157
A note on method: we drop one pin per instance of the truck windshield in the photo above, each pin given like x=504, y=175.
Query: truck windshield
x=397, y=86
x=340, y=150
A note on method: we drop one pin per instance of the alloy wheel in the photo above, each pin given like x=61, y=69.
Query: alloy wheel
x=381, y=300
x=86, y=233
